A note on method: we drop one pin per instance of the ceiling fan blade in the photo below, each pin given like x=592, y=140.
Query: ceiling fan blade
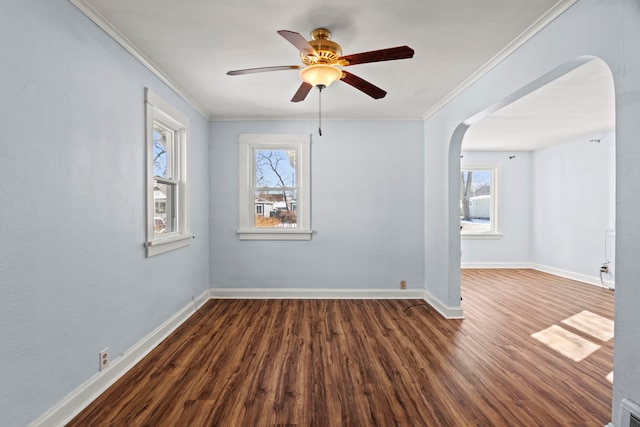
x=298, y=41
x=263, y=70
x=363, y=85
x=302, y=92
x=390, y=54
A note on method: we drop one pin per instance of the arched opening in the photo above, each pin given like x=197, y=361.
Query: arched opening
x=551, y=147
x=583, y=76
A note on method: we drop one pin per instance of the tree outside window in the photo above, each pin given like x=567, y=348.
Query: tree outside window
x=478, y=207
x=275, y=187
x=167, y=135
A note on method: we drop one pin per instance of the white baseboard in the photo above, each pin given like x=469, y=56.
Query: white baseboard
x=446, y=311
x=80, y=398
x=591, y=280
x=501, y=265
x=77, y=400
x=256, y=293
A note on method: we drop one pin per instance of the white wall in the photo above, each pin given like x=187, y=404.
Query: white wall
x=602, y=28
x=571, y=205
x=367, y=217
x=74, y=278
x=513, y=248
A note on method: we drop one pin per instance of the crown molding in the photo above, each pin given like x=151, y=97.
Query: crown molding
x=116, y=35
x=527, y=34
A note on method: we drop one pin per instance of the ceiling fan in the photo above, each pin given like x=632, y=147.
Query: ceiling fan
x=322, y=58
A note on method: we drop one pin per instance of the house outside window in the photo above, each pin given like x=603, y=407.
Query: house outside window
x=274, y=187
x=479, y=202
x=167, y=190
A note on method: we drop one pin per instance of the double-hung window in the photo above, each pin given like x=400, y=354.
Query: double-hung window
x=167, y=132
x=479, y=201
x=274, y=187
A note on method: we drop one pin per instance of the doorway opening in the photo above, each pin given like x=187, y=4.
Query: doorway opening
x=553, y=198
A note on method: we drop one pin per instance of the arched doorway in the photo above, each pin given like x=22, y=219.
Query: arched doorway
x=512, y=111
x=566, y=155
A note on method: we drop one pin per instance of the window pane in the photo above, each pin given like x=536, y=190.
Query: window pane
x=164, y=200
x=275, y=208
x=275, y=168
x=475, y=201
x=162, y=151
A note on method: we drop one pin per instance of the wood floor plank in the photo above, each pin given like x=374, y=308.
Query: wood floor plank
x=374, y=363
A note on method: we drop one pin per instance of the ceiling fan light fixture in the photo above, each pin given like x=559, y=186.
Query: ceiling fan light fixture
x=320, y=74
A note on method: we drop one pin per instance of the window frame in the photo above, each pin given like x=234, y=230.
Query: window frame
x=159, y=111
x=247, y=145
x=495, y=231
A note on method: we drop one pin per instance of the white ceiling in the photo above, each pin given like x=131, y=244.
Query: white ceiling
x=578, y=104
x=191, y=44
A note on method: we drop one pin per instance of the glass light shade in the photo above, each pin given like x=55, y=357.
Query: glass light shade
x=320, y=74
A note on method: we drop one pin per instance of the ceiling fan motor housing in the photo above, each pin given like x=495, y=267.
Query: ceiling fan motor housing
x=328, y=51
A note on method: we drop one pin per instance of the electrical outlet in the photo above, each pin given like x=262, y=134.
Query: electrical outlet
x=103, y=359
x=604, y=268
x=403, y=284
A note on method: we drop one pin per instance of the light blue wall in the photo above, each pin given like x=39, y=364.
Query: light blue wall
x=601, y=28
x=367, y=210
x=515, y=209
x=571, y=204
x=73, y=276
x=556, y=204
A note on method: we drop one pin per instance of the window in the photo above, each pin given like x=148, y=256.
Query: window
x=274, y=187
x=479, y=213
x=167, y=191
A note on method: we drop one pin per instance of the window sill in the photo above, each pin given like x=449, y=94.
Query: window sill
x=271, y=234
x=160, y=246
x=481, y=236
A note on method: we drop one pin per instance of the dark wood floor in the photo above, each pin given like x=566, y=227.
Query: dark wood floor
x=324, y=363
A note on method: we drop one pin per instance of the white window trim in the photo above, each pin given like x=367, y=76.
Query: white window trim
x=248, y=143
x=158, y=109
x=496, y=219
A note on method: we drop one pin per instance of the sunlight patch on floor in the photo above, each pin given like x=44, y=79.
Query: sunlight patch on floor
x=592, y=324
x=610, y=377
x=566, y=343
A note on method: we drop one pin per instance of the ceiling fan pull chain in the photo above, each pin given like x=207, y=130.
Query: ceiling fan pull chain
x=320, y=110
